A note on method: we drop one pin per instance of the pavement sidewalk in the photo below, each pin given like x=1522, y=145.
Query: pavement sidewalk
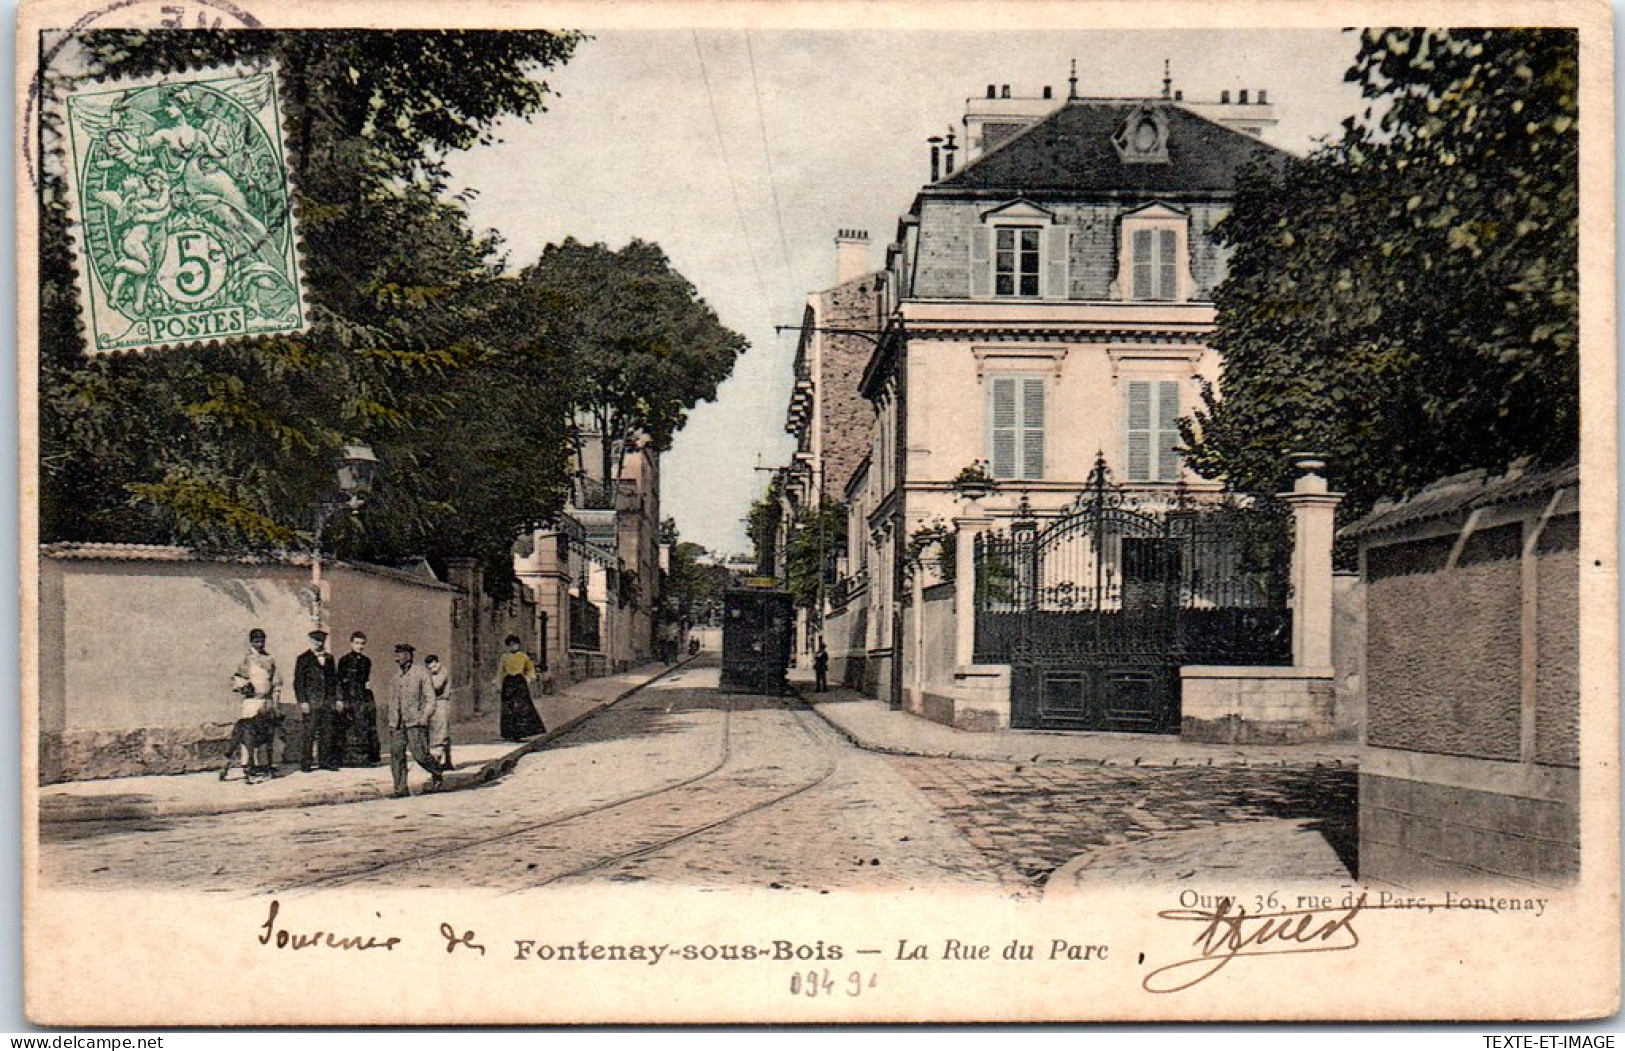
x=873, y=725
x=478, y=751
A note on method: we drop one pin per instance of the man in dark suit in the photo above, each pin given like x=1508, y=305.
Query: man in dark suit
x=316, y=686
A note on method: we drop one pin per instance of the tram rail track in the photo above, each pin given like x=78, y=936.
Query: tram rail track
x=651, y=799
x=648, y=850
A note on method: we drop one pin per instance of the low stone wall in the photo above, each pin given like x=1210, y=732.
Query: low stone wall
x=1428, y=819
x=838, y=627
x=977, y=701
x=1256, y=705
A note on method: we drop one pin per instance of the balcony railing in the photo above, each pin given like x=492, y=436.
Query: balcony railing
x=592, y=494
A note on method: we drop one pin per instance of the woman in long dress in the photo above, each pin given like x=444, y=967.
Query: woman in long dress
x=516, y=672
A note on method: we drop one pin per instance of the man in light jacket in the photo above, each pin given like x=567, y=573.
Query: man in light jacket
x=406, y=714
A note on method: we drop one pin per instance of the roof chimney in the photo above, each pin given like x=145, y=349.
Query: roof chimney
x=948, y=151
x=851, y=255
x=936, y=157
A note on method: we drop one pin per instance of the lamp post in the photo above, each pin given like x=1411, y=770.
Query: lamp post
x=357, y=467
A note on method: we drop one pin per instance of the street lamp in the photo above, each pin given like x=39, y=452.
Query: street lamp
x=357, y=467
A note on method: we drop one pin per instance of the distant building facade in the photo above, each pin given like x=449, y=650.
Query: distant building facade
x=828, y=415
x=595, y=572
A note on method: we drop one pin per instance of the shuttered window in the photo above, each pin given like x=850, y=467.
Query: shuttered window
x=1016, y=261
x=1153, y=430
x=1016, y=426
x=1020, y=262
x=1156, y=271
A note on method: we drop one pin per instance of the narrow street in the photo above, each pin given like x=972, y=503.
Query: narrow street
x=682, y=784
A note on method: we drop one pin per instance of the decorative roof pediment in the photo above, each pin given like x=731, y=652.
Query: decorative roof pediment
x=1142, y=138
x=1157, y=210
x=1020, y=208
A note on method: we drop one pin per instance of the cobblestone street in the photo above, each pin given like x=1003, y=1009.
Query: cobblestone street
x=1036, y=818
x=681, y=784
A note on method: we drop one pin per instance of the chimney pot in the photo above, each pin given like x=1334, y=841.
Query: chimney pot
x=1224, y=98
x=992, y=92
x=851, y=255
x=1243, y=99
x=1047, y=93
x=1179, y=95
x=1263, y=97
x=1004, y=92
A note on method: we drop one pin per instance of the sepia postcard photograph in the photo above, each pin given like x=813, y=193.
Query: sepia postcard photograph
x=816, y=513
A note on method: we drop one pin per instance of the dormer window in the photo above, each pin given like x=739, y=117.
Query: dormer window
x=1016, y=260
x=1018, y=251
x=1153, y=255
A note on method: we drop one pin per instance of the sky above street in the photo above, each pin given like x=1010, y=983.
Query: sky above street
x=742, y=153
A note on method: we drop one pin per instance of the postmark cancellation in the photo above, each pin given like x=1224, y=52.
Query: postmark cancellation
x=184, y=217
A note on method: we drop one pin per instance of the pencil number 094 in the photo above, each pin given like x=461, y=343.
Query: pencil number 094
x=817, y=983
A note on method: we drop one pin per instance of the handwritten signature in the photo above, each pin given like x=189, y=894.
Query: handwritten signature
x=1230, y=931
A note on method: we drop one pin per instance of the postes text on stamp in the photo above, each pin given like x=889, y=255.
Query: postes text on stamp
x=186, y=229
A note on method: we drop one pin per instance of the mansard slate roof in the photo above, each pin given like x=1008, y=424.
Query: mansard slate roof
x=1071, y=152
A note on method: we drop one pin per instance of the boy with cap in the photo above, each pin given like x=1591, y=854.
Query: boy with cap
x=406, y=714
x=316, y=687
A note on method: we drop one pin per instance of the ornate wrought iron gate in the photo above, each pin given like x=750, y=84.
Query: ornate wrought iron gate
x=1096, y=610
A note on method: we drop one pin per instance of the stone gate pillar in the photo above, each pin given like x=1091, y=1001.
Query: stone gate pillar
x=966, y=530
x=1313, y=507
x=465, y=575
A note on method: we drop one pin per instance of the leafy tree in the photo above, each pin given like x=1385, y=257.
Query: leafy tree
x=233, y=445
x=644, y=348
x=816, y=539
x=691, y=592
x=1405, y=299
x=762, y=527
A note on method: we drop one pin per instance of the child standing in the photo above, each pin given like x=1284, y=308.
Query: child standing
x=439, y=710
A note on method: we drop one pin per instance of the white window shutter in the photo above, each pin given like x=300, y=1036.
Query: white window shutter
x=1167, y=270
x=1142, y=265
x=1032, y=428
x=1168, y=431
x=1139, y=431
x=981, y=262
x=1057, y=251
x=1002, y=392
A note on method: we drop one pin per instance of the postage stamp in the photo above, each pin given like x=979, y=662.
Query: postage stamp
x=186, y=228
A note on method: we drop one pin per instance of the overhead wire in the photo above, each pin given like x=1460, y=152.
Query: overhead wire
x=772, y=179
x=727, y=164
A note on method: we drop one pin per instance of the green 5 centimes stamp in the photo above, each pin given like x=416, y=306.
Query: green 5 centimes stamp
x=185, y=222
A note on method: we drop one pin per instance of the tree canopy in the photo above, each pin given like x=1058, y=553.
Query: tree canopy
x=692, y=588
x=643, y=347
x=1405, y=300
x=817, y=538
